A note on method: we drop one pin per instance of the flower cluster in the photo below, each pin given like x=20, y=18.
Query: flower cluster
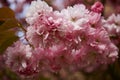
x=73, y=37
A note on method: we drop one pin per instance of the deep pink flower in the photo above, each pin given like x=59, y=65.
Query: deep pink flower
x=97, y=7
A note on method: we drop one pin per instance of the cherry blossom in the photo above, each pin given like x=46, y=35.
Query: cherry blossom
x=73, y=37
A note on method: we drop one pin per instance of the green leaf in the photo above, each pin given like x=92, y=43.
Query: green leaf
x=6, y=13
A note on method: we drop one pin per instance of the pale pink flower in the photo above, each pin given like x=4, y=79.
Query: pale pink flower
x=74, y=13
x=41, y=58
x=19, y=58
x=59, y=53
x=112, y=25
x=32, y=36
x=35, y=9
x=114, y=19
x=94, y=18
x=93, y=49
x=76, y=16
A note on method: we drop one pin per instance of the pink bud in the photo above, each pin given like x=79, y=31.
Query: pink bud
x=97, y=7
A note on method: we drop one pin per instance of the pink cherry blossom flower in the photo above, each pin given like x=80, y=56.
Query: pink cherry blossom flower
x=94, y=17
x=19, y=58
x=73, y=37
x=72, y=29
x=36, y=8
x=112, y=25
